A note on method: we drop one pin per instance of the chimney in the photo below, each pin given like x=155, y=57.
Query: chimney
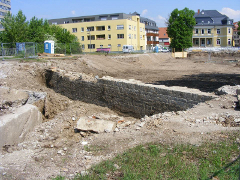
x=198, y=11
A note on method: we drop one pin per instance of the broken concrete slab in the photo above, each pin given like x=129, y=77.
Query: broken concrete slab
x=12, y=97
x=227, y=89
x=14, y=127
x=95, y=125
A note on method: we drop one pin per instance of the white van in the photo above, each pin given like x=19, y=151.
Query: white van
x=127, y=48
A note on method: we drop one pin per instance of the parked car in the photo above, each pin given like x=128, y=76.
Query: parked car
x=128, y=48
x=164, y=50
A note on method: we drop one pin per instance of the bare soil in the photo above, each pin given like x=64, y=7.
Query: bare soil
x=53, y=148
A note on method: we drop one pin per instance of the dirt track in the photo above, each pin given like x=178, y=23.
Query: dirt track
x=53, y=148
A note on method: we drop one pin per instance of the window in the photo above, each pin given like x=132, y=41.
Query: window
x=218, y=41
x=196, y=42
x=209, y=31
x=54, y=23
x=100, y=28
x=143, y=29
x=196, y=31
x=119, y=45
x=100, y=37
x=82, y=38
x=140, y=29
x=83, y=46
x=66, y=22
x=135, y=36
x=134, y=28
x=109, y=45
x=91, y=46
x=92, y=37
x=229, y=30
x=202, y=31
x=208, y=22
x=109, y=27
x=114, y=17
x=229, y=42
x=91, y=28
x=120, y=36
x=101, y=46
x=120, y=27
x=141, y=37
x=103, y=18
x=129, y=36
x=209, y=41
x=218, y=31
x=74, y=30
x=109, y=36
x=130, y=27
x=82, y=29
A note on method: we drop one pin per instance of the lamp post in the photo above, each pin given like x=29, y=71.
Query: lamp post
x=90, y=39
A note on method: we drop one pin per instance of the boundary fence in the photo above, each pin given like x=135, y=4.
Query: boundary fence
x=31, y=49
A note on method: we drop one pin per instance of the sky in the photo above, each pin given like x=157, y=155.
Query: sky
x=157, y=10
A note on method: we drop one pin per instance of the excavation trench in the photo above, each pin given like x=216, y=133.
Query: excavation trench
x=125, y=96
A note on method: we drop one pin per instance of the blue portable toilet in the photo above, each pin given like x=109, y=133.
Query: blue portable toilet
x=49, y=46
x=156, y=49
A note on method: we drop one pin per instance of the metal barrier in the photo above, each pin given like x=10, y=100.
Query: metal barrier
x=31, y=49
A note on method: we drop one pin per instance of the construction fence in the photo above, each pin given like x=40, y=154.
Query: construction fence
x=31, y=49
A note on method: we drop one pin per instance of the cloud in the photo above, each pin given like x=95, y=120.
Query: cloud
x=144, y=12
x=160, y=20
x=73, y=12
x=231, y=13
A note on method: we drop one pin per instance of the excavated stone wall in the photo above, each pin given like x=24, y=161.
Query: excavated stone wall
x=127, y=96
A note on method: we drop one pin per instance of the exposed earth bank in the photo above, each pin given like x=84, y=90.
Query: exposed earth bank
x=55, y=148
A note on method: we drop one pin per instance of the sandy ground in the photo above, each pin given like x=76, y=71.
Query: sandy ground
x=54, y=149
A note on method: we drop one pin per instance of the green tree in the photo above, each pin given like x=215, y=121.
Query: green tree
x=62, y=35
x=16, y=28
x=180, y=28
x=37, y=30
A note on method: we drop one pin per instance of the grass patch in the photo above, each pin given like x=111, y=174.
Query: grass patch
x=179, y=161
x=95, y=149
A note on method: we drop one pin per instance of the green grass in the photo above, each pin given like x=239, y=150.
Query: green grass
x=179, y=161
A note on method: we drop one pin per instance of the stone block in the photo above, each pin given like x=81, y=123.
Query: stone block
x=95, y=125
x=14, y=127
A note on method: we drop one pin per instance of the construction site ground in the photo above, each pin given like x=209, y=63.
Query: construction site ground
x=53, y=148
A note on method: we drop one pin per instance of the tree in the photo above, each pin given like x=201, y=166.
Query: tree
x=37, y=30
x=16, y=28
x=180, y=28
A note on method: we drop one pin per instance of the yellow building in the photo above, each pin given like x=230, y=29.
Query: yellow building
x=106, y=31
x=212, y=29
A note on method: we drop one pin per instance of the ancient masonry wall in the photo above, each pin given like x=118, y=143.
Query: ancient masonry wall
x=133, y=97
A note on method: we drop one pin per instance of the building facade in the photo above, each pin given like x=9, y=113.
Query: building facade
x=212, y=29
x=164, y=40
x=151, y=33
x=106, y=31
x=5, y=6
x=236, y=38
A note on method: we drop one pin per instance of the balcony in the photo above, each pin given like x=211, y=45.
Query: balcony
x=152, y=34
x=152, y=42
x=203, y=35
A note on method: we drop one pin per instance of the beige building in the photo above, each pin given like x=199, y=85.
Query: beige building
x=5, y=6
x=106, y=31
x=212, y=29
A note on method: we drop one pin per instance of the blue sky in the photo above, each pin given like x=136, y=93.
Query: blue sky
x=157, y=10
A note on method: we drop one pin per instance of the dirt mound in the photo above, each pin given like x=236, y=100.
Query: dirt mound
x=53, y=148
